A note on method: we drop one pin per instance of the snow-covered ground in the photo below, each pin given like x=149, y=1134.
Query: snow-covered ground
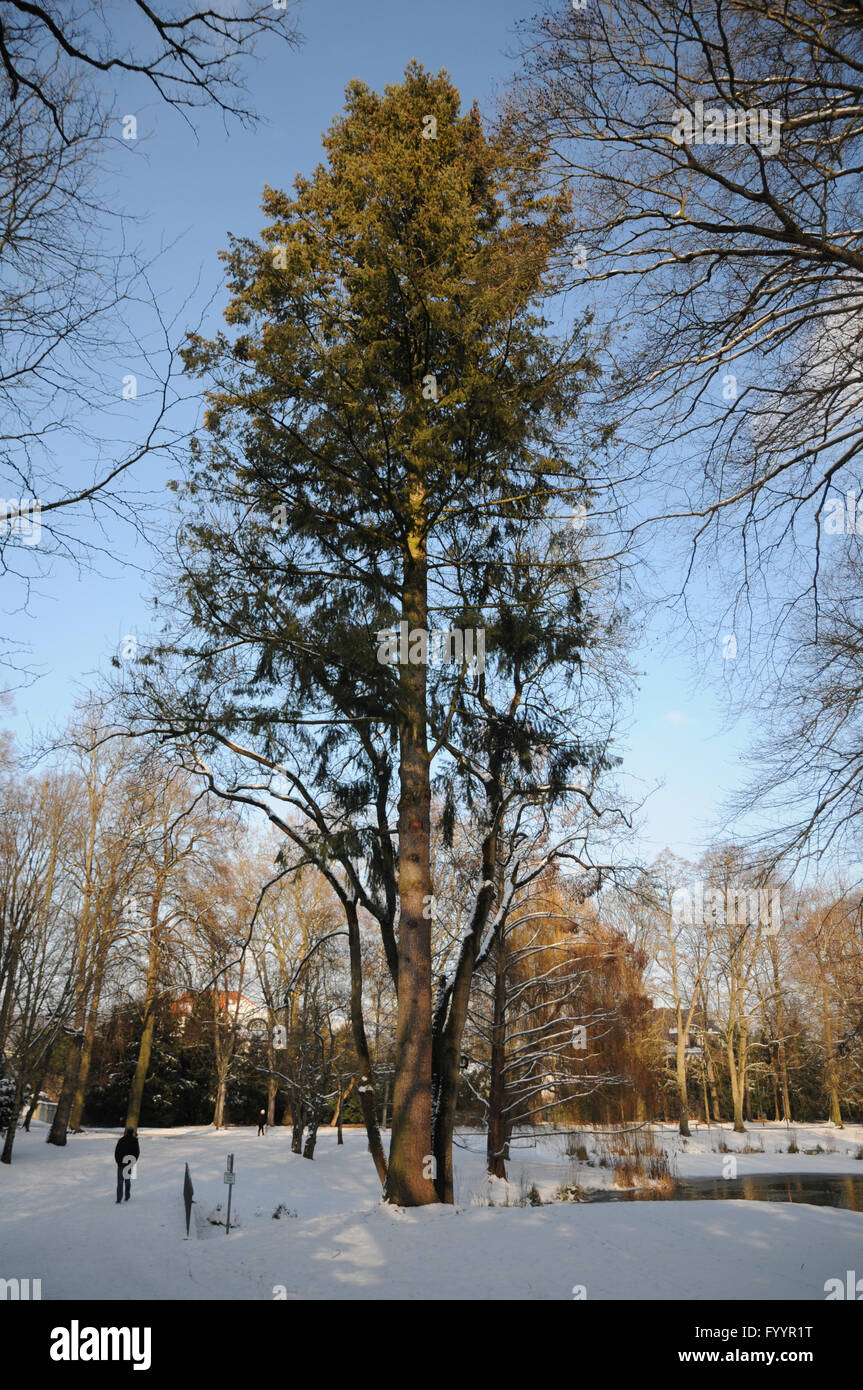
x=59, y=1223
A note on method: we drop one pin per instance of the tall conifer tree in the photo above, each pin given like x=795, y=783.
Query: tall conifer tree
x=387, y=410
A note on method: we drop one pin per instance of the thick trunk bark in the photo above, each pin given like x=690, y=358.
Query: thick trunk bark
x=142, y=1066
x=272, y=1086
x=145, y=1048
x=60, y=1123
x=77, y=1109
x=77, y=1106
x=410, y=1171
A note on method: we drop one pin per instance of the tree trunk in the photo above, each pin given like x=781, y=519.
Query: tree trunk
x=87, y=1045
x=736, y=1097
x=366, y=1087
x=60, y=1123
x=496, y=1144
x=450, y=1018
x=783, y=1077
x=136, y=1090
x=410, y=1171
x=386, y=1104
x=704, y=1086
x=77, y=1106
x=272, y=1090
x=411, y=1166
x=142, y=1065
x=8, y=995
x=219, y=1111
x=298, y=1122
x=831, y=1069
x=711, y=1082
x=682, y=1091
x=339, y=1110
x=780, y=1032
x=34, y=1102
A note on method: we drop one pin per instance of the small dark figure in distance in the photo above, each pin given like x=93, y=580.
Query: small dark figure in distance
x=126, y=1155
x=262, y=1120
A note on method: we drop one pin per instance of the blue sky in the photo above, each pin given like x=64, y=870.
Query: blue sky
x=189, y=192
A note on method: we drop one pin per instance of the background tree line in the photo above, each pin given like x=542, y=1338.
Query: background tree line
x=163, y=963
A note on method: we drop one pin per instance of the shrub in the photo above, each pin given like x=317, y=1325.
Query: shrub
x=576, y=1147
x=7, y=1102
x=571, y=1192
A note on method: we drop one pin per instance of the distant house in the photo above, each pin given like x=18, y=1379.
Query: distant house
x=230, y=1002
x=44, y=1111
x=666, y=1021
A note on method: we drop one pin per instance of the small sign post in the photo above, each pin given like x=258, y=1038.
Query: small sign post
x=230, y=1179
x=188, y=1198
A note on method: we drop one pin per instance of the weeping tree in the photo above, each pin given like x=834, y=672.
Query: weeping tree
x=388, y=411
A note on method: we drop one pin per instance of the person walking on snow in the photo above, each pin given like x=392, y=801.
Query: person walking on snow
x=126, y=1155
x=262, y=1122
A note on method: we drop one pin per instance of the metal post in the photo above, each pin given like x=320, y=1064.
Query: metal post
x=229, y=1179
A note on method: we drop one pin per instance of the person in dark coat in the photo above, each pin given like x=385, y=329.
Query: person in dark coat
x=126, y=1155
x=262, y=1120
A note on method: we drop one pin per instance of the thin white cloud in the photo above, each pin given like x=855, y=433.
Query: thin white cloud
x=678, y=719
